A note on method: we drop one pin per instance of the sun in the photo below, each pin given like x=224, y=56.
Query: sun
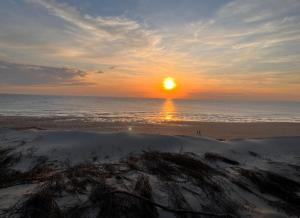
x=169, y=83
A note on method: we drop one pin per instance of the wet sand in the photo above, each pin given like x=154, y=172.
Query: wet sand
x=215, y=130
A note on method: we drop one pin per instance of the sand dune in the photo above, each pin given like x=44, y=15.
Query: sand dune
x=71, y=172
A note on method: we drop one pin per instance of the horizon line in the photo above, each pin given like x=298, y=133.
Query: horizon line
x=152, y=98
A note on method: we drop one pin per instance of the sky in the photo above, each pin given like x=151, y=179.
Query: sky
x=218, y=49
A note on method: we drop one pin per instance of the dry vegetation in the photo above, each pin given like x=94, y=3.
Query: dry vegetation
x=131, y=188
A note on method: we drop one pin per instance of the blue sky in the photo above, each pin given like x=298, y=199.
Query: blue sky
x=152, y=11
x=238, y=48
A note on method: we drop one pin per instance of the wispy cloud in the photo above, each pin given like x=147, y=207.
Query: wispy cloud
x=244, y=37
x=244, y=44
x=101, y=36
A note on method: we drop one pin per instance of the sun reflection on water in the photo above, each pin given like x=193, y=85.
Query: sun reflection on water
x=168, y=110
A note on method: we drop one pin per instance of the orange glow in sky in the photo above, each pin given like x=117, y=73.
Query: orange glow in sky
x=208, y=55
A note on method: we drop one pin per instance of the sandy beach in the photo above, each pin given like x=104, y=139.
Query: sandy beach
x=76, y=167
x=217, y=130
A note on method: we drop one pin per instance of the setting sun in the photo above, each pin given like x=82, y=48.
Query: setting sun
x=169, y=83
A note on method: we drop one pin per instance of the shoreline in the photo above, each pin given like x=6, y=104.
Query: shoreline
x=216, y=130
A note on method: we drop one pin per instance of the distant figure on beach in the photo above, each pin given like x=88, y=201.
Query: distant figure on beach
x=199, y=132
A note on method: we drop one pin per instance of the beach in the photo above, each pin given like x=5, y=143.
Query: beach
x=216, y=130
x=63, y=162
x=149, y=109
x=70, y=166
x=72, y=173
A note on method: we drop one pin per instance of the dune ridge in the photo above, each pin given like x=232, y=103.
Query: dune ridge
x=89, y=174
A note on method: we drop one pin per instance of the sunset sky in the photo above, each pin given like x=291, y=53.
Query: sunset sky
x=221, y=49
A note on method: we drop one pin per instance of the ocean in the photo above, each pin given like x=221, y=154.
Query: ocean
x=147, y=110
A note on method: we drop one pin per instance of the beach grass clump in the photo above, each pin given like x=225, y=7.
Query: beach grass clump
x=143, y=188
x=217, y=157
x=80, y=176
x=174, y=164
x=82, y=170
x=176, y=167
x=5, y=158
x=8, y=176
x=40, y=204
x=12, y=177
x=282, y=188
x=113, y=203
x=153, y=163
x=74, y=180
x=177, y=200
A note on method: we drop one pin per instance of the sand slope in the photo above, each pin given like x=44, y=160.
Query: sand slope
x=240, y=178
